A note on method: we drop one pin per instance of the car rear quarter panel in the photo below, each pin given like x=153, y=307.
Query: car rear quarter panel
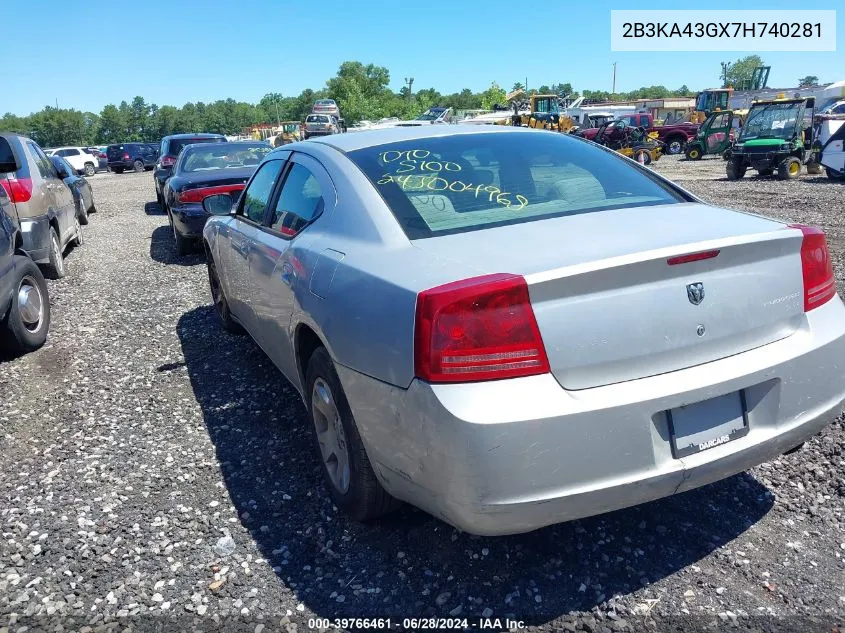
x=365, y=315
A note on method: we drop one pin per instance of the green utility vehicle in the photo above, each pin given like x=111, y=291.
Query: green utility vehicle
x=715, y=135
x=777, y=136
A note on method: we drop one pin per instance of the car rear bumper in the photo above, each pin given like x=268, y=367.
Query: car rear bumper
x=318, y=132
x=510, y=456
x=35, y=233
x=189, y=219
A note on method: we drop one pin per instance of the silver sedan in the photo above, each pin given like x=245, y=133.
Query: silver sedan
x=511, y=328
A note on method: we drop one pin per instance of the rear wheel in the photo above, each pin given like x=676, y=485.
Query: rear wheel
x=55, y=269
x=81, y=213
x=693, y=153
x=117, y=170
x=183, y=244
x=789, y=168
x=26, y=324
x=347, y=471
x=79, y=240
x=675, y=145
x=90, y=170
x=139, y=165
x=735, y=170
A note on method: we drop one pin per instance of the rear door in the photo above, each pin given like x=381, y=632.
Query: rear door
x=43, y=198
x=277, y=275
x=62, y=195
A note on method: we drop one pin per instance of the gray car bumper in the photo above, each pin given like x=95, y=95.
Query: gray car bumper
x=35, y=233
x=511, y=456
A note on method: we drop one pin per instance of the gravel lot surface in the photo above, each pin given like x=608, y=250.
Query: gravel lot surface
x=157, y=472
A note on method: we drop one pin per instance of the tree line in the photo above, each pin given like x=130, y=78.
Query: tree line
x=361, y=91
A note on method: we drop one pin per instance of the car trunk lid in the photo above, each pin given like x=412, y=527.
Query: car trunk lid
x=611, y=307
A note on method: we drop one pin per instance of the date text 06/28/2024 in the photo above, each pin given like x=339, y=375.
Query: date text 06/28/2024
x=418, y=624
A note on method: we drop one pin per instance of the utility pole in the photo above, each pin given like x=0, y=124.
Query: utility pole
x=410, y=82
x=725, y=67
x=278, y=119
x=613, y=90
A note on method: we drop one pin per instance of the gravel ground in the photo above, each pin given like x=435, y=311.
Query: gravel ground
x=157, y=473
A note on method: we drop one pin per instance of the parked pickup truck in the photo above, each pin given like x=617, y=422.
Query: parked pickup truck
x=675, y=136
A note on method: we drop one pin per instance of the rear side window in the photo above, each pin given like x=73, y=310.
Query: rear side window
x=6, y=154
x=176, y=145
x=43, y=164
x=300, y=201
x=465, y=182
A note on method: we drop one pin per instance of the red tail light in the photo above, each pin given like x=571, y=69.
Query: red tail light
x=168, y=161
x=125, y=155
x=101, y=155
x=18, y=189
x=200, y=194
x=692, y=257
x=477, y=329
x=819, y=282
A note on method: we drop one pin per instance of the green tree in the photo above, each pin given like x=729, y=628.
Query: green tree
x=517, y=86
x=741, y=70
x=808, y=81
x=112, y=125
x=492, y=96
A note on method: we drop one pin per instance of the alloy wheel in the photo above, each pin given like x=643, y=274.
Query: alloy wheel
x=330, y=435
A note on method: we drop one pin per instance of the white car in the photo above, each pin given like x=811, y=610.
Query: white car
x=78, y=157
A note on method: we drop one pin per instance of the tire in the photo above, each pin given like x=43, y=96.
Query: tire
x=646, y=157
x=81, y=213
x=814, y=168
x=675, y=144
x=183, y=244
x=28, y=320
x=117, y=170
x=693, y=152
x=55, y=269
x=79, y=240
x=735, y=170
x=789, y=168
x=347, y=471
x=159, y=198
x=218, y=297
x=139, y=166
x=90, y=170
x=834, y=175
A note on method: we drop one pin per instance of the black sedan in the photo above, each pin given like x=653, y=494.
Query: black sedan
x=202, y=170
x=83, y=197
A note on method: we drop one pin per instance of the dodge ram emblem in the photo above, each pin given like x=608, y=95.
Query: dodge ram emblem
x=695, y=293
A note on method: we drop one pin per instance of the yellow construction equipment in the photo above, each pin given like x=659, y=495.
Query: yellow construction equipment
x=543, y=113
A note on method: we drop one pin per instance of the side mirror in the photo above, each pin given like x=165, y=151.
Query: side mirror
x=218, y=204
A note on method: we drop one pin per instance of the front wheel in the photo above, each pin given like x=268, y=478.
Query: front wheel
x=693, y=153
x=90, y=170
x=347, y=471
x=221, y=305
x=735, y=170
x=643, y=157
x=789, y=168
x=28, y=320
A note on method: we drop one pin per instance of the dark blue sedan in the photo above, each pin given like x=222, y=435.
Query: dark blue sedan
x=202, y=170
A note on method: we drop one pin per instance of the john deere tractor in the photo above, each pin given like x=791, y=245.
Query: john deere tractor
x=777, y=138
x=544, y=113
x=715, y=135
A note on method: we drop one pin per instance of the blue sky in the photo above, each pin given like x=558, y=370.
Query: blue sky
x=93, y=53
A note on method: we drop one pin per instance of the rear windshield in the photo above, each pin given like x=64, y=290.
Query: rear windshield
x=465, y=182
x=317, y=118
x=223, y=156
x=176, y=144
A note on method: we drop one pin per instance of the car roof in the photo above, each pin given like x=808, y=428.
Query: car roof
x=197, y=135
x=371, y=138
